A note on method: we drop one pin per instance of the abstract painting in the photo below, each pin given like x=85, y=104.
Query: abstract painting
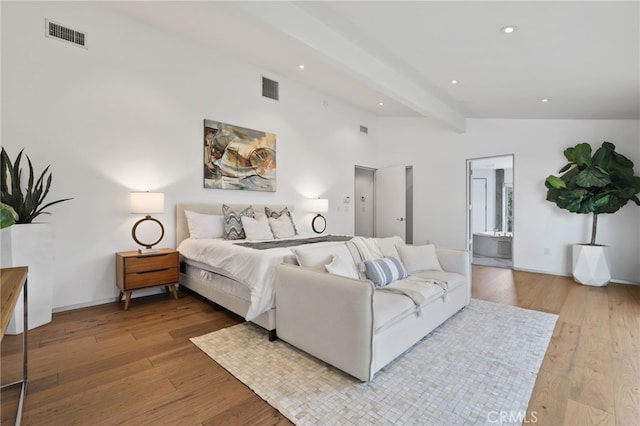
x=238, y=158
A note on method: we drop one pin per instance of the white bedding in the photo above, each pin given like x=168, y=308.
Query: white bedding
x=255, y=268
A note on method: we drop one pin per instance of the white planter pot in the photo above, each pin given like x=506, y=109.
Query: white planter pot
x=590, y=265
x=31, y=245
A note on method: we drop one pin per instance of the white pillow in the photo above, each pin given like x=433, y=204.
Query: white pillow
x=317, y=256
x=204, y=225
x=282, y=227
x=256, y=229
x=388, y=245
x=419, y=258
x=340, y=265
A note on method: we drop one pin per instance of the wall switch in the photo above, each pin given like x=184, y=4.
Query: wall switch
x=547, y=251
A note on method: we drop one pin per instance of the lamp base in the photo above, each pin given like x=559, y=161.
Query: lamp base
x=148, y=250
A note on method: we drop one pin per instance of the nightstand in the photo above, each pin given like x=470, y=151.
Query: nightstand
x=135, y=271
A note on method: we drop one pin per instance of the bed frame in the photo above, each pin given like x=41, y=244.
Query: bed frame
x=204, y=287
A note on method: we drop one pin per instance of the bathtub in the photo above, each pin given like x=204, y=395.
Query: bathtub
x=493, y=244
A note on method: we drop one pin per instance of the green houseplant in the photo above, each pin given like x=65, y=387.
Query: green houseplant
x=8, y=216
x=594, y=184
x=27, y=243
x=28, y=204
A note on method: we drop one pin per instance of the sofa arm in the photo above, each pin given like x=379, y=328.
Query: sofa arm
x=453, y=260
x=327, y=316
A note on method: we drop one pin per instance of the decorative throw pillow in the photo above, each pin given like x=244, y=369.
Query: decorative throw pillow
x=256, y=229
x=384, y=271
x=276, y=215
x=232, y=222
x=316, y=256
x=342, y=265
x=282, y=227
x=204, y=225
x=419, y=258
x=388, y=246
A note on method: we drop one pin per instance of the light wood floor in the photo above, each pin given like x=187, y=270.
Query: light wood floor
x=102, y=365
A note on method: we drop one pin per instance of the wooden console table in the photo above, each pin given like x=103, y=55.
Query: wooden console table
x=12, y=281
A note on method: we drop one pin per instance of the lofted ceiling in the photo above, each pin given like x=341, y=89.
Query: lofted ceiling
x=583, y=56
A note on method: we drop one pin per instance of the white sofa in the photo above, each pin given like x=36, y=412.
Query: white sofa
x=359, y=328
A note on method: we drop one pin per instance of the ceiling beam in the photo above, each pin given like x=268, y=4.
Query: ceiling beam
x=357, y=62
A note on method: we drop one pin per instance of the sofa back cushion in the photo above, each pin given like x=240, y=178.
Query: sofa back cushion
x=419, y=258
x=316, y=256
x=384, y=270
x=343, y=265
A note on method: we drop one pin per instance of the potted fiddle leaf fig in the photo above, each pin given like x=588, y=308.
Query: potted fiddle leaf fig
x=24, y=242
x=593, y=184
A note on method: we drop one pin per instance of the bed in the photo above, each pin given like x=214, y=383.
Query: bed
x=210, y=267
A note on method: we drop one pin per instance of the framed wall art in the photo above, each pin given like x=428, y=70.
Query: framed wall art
x=238, y=158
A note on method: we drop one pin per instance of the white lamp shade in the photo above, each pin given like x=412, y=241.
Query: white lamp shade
x=147, y=202
x=319, y=205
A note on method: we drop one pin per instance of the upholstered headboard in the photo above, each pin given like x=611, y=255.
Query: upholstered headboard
x=182, y=229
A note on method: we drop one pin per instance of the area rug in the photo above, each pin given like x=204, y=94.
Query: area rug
x=478, y=367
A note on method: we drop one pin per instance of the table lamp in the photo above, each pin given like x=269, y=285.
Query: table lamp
x=319, y=205
x=147, y=203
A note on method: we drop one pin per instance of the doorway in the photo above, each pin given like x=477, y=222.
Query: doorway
x=490, y=213
x=384, y=202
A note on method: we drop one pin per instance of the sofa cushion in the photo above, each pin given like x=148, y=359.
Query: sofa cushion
x=384, y=270
x=419, y=258
x=342, y=264
x=389, y=308
x=388, y=245
x=452, y=279
x=317, y=256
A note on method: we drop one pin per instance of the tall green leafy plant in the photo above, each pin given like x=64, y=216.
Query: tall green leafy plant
x=602, y=183
x=28, y=203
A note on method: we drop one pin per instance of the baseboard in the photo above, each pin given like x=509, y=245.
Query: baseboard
x=616, y=281
x=135, y=294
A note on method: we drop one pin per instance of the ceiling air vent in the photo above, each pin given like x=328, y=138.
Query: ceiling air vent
x=59, y=32
x=270, y=89
x=364, y=130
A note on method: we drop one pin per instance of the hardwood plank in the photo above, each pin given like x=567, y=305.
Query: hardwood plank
x=580, y=414
x=560, y=354
x=545, y=406
x=104, y=365
x=626, y=389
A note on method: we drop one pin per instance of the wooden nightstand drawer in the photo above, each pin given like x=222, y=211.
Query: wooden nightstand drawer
x=150, y=262
x=151, y=278
x=135, y=271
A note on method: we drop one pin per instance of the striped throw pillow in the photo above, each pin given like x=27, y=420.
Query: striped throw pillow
x=384, y=270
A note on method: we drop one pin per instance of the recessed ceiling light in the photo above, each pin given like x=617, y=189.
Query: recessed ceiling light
x=380, y=103
x=509, y=29
x=454, y=82
x=544, y=100
x=301, y=66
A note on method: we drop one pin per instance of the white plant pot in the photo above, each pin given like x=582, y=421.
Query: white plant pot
x=590, y=265
x=31, y=245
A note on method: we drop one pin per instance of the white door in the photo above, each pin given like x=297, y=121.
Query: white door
x=479, y=205
x=390, y=202
x=363, y=204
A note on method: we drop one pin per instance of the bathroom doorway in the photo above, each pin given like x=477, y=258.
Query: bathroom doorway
x=491, y=207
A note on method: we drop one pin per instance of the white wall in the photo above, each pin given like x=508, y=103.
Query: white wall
x=439, y=157
x=127, y=114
